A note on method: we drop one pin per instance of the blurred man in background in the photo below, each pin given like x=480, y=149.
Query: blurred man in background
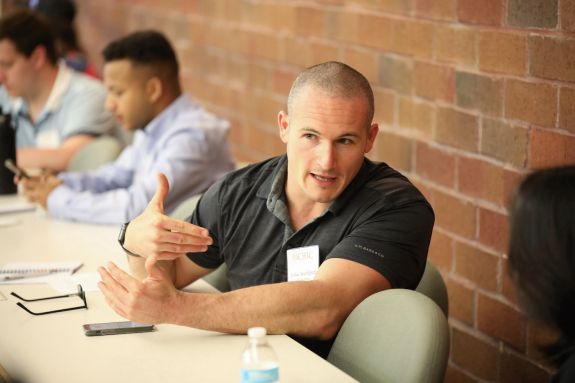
x=173, y=135
x=55, y=110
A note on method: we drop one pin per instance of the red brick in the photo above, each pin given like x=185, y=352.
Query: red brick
x=384, y=106
x=441, y=251
x=552, y=58
x=476, y=265
x=505, y=142
x=396, y=74
x=434, y=82
x=365, y=61
x=273, y=147
x=454, y=214
x=503, y=52
x=296, y=51
x=266, y=46
x=260, y=76
x=567, y=14
x=342, y=25
x=511, y=180
x=282, y=81
x=481, y=179
x=488, y=12
x=567, y=109
x=310, y=22
x=435, y=164
x=474, y=355
x=413, y=38
x=455, y=44
x=457, y=129
x=322, y=52
x=416, y=115
x=403, y=7
x=375, y=31
x=532, y=102
x=516, y=368
x=548, y=148
x=461, y=302
x=493, y=230
x=532, y=13
x=394, y=150
x=501, y=321
x=456, y=375
x=481, y=93
x=436, y=9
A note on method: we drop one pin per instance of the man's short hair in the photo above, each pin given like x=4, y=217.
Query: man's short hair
x=146, y=48
x=336, y=79
x=27, y=30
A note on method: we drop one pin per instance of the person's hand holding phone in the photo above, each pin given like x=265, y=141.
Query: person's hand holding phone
x=37, y=189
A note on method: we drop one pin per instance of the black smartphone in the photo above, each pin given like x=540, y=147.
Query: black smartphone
x=19, y=172
x=112, y=328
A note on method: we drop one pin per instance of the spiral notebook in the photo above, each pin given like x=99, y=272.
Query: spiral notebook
x=24, y=272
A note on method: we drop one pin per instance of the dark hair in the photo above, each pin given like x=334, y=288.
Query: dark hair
x=542, y=253
x=336, y=79
x=146, y=48
x=61, y=14
x=27, y=30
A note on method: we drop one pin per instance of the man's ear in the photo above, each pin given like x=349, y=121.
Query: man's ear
x=283, y=124
x=38, y=57
x=154, y=89
x=371, y=136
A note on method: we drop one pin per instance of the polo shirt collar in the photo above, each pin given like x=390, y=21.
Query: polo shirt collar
x=61, y=84
x=273, y=188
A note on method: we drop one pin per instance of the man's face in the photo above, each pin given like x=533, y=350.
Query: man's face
x=327, y=138
x=127, y=97
x=16, y=70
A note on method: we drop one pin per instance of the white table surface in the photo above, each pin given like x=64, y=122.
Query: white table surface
x=53, y=348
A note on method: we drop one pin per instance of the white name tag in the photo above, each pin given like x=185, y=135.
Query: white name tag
x=302, y=263
x=48, y=139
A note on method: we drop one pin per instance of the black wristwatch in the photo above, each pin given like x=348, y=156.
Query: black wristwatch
x=122, y=238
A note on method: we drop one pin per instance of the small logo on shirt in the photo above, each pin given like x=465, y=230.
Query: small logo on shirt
x=369, y=250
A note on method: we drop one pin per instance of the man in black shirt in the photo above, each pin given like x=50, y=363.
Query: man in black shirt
x=305, y=236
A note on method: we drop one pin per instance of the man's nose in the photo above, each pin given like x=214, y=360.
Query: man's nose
x=326, y=156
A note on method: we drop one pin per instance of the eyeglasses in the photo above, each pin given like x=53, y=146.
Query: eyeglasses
x=80, y=294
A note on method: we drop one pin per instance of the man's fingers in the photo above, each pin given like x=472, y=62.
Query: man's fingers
x=162, y=189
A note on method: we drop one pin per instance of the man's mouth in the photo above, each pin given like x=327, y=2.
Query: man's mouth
x=323, y=178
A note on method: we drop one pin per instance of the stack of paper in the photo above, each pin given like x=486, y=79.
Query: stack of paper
x=34, y=272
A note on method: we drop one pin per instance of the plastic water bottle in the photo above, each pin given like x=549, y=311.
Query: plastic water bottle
x=259, y=361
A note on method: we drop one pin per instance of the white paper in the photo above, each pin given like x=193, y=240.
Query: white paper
x=67, y=284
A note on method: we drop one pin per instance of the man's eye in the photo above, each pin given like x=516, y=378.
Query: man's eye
x=308, y=136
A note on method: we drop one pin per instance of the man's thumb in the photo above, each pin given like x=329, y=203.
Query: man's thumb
x=162, y=189
x=154, y=270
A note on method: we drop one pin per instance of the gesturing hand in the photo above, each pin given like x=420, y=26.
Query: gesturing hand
x=153, y=300
x=153, y=234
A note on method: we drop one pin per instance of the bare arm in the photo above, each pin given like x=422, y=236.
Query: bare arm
x=53, y=159
x=312, y=309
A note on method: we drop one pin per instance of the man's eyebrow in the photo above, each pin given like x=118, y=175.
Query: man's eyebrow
x=344, y=135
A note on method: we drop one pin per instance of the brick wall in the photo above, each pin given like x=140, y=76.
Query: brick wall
x=470, y=94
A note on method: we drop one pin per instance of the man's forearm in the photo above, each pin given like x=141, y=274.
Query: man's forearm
x=309, y=309
x=52, y=159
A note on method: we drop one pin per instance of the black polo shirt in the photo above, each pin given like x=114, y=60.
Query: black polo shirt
x=380, y=220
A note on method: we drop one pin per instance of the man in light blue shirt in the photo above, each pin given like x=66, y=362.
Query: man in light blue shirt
x=173, y=135
x=55, y=110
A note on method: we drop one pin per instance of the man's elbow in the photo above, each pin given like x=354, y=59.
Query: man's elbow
x=328, y=322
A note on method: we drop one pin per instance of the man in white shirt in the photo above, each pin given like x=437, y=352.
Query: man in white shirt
x=55, y=110
x=173, y=135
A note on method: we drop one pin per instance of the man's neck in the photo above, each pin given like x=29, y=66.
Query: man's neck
x=302, y=211
x=43, y=85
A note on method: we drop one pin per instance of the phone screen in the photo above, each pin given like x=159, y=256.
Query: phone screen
x=111, y=328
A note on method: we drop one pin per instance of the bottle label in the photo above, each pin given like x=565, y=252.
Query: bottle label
x=268, y=375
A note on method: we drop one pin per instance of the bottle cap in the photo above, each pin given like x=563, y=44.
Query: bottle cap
x=256, y=332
